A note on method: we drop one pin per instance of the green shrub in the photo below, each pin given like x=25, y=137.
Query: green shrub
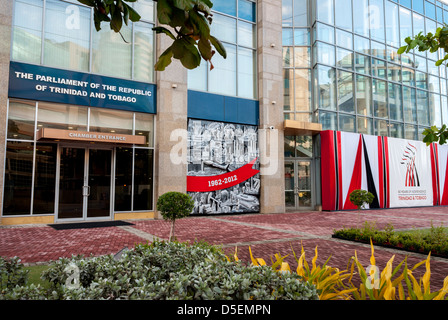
x=12, y=273
x=174, y=205
x=167, y=270
x=360, y=198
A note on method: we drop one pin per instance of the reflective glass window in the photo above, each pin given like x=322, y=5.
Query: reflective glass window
x=301, y=37
x=225, y=6
x=300, y=13
x=347, y=123
x=287, y=13
x=325, y=33
x=223, y=77
x=110, y=121
x=246, y=34
x=61, y=116
x=418, y=22
x=18, y=178
x=27, y=31
x=326, y=87
x=21, y=117
x=343, y=14
x=362, y=64
x=379, y=90
x=430, y=10
x=418, y=5
x=123, y=178
x=328, y=120
x=145, y=8
x=405, y=24
x=246, y=73
x=392, y=24
x=143, y=52
x=363, y=95
x=365, y=125
x=380, y=128
x=377, y=20
x=302, y=89
x=288, y=89
x=109, y=49
x=395, y=98
x=344, y=39
x=224, y=28
x=246, y=10
x=325, y=11
x=396, y=130
x=362, y=44
x=435, y=110
x=422, y=108
x=325, y=53
x=67, y=36
x=44, y=178
x=287, y=37
x=144, y=126
x=409, y=105
x=344, y=59
x=361, y=17
x=302, y=57
x=410, y=132
x=143, y=179
x=345, y=92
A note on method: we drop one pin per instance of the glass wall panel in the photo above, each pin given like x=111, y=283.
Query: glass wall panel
x=418, y=6
x=380, y=128
x=409, y=105
x=18, y=178
x=223, y=76
x=328, y=120
x=362, y=64
x=363, y=95
x=143, y=179
x=435, y=110
x=27, y=31
x=302, y=58
x=123, y=178
x=347, y=123
x=288, y=89
x=61, y=116
x=422, y=108
x=246, y=34
x=326, y=87
x=379, y=68
x=146, y=9
x=362, y=45
x=405, y=24
x=109, y=49
x=144, y=126
x=343, y=14
x=246, y=10
x=418, y=22
x=44, y=178
x=444, y=106
x=143, y=52
x=344, y=39
x=225, y=6
x=377, y=20
x=408, y=76
x=324, y=33
x=325, y=10
x=395, y=108
x=289, y=146
x=361, y=17
x=110, y=121
x=287, y=37
x=301, y=37
x=300, y=13
x=392, y=25
x=365, y=125
x=410, y=132
x=67, y=36
x=288, y=57
x=21, y=117
x=287, y=13
x=302, y=84
x=246, y=73
x=325, y=53
x=345, y=92
x=396, y=130
x=197, y=78
x=223, y=28
x=394, y=72
x=379, y=89
x=344, y=59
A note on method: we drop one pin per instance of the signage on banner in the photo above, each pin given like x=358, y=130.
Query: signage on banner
x=222, y=181
x=59, y=134
x=27, y=81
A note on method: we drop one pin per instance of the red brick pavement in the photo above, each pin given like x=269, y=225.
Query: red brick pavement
x=266, y=234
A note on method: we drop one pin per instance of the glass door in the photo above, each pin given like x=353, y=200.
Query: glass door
x=85, y=180
x=298, y=184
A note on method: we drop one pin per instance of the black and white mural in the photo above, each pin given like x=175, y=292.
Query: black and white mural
x=223, y=167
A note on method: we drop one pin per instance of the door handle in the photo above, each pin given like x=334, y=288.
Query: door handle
x=86, y=191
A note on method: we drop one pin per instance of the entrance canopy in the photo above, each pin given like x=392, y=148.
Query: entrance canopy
x=301, y=128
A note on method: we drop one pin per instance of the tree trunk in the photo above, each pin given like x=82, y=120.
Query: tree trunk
x=172, y=232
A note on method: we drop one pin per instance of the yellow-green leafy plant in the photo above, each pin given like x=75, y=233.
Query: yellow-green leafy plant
x=327, y=280
x=376, y=285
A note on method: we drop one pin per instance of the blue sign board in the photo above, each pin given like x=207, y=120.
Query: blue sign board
x=27, y=81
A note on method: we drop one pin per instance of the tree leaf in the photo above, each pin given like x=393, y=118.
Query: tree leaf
x=219, y=46
x=164, y=60
x=164, y=11
x=165, y=31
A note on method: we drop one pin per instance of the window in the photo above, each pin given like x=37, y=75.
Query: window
x=68, y=39
x=234, y=25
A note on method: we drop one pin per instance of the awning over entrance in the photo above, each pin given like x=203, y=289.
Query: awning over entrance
x=301, y=128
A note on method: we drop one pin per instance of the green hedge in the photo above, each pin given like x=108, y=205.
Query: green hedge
x=434, y=240
x=164, y=270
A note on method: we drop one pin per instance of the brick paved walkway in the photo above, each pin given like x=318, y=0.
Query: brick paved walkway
x=266, y=234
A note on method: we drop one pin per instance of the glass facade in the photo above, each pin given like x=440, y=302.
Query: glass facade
x=234, y=24
x=344, y=52
x=34, y=168
x=61, y=34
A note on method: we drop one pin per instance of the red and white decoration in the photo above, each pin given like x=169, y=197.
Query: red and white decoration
x=399, y=172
